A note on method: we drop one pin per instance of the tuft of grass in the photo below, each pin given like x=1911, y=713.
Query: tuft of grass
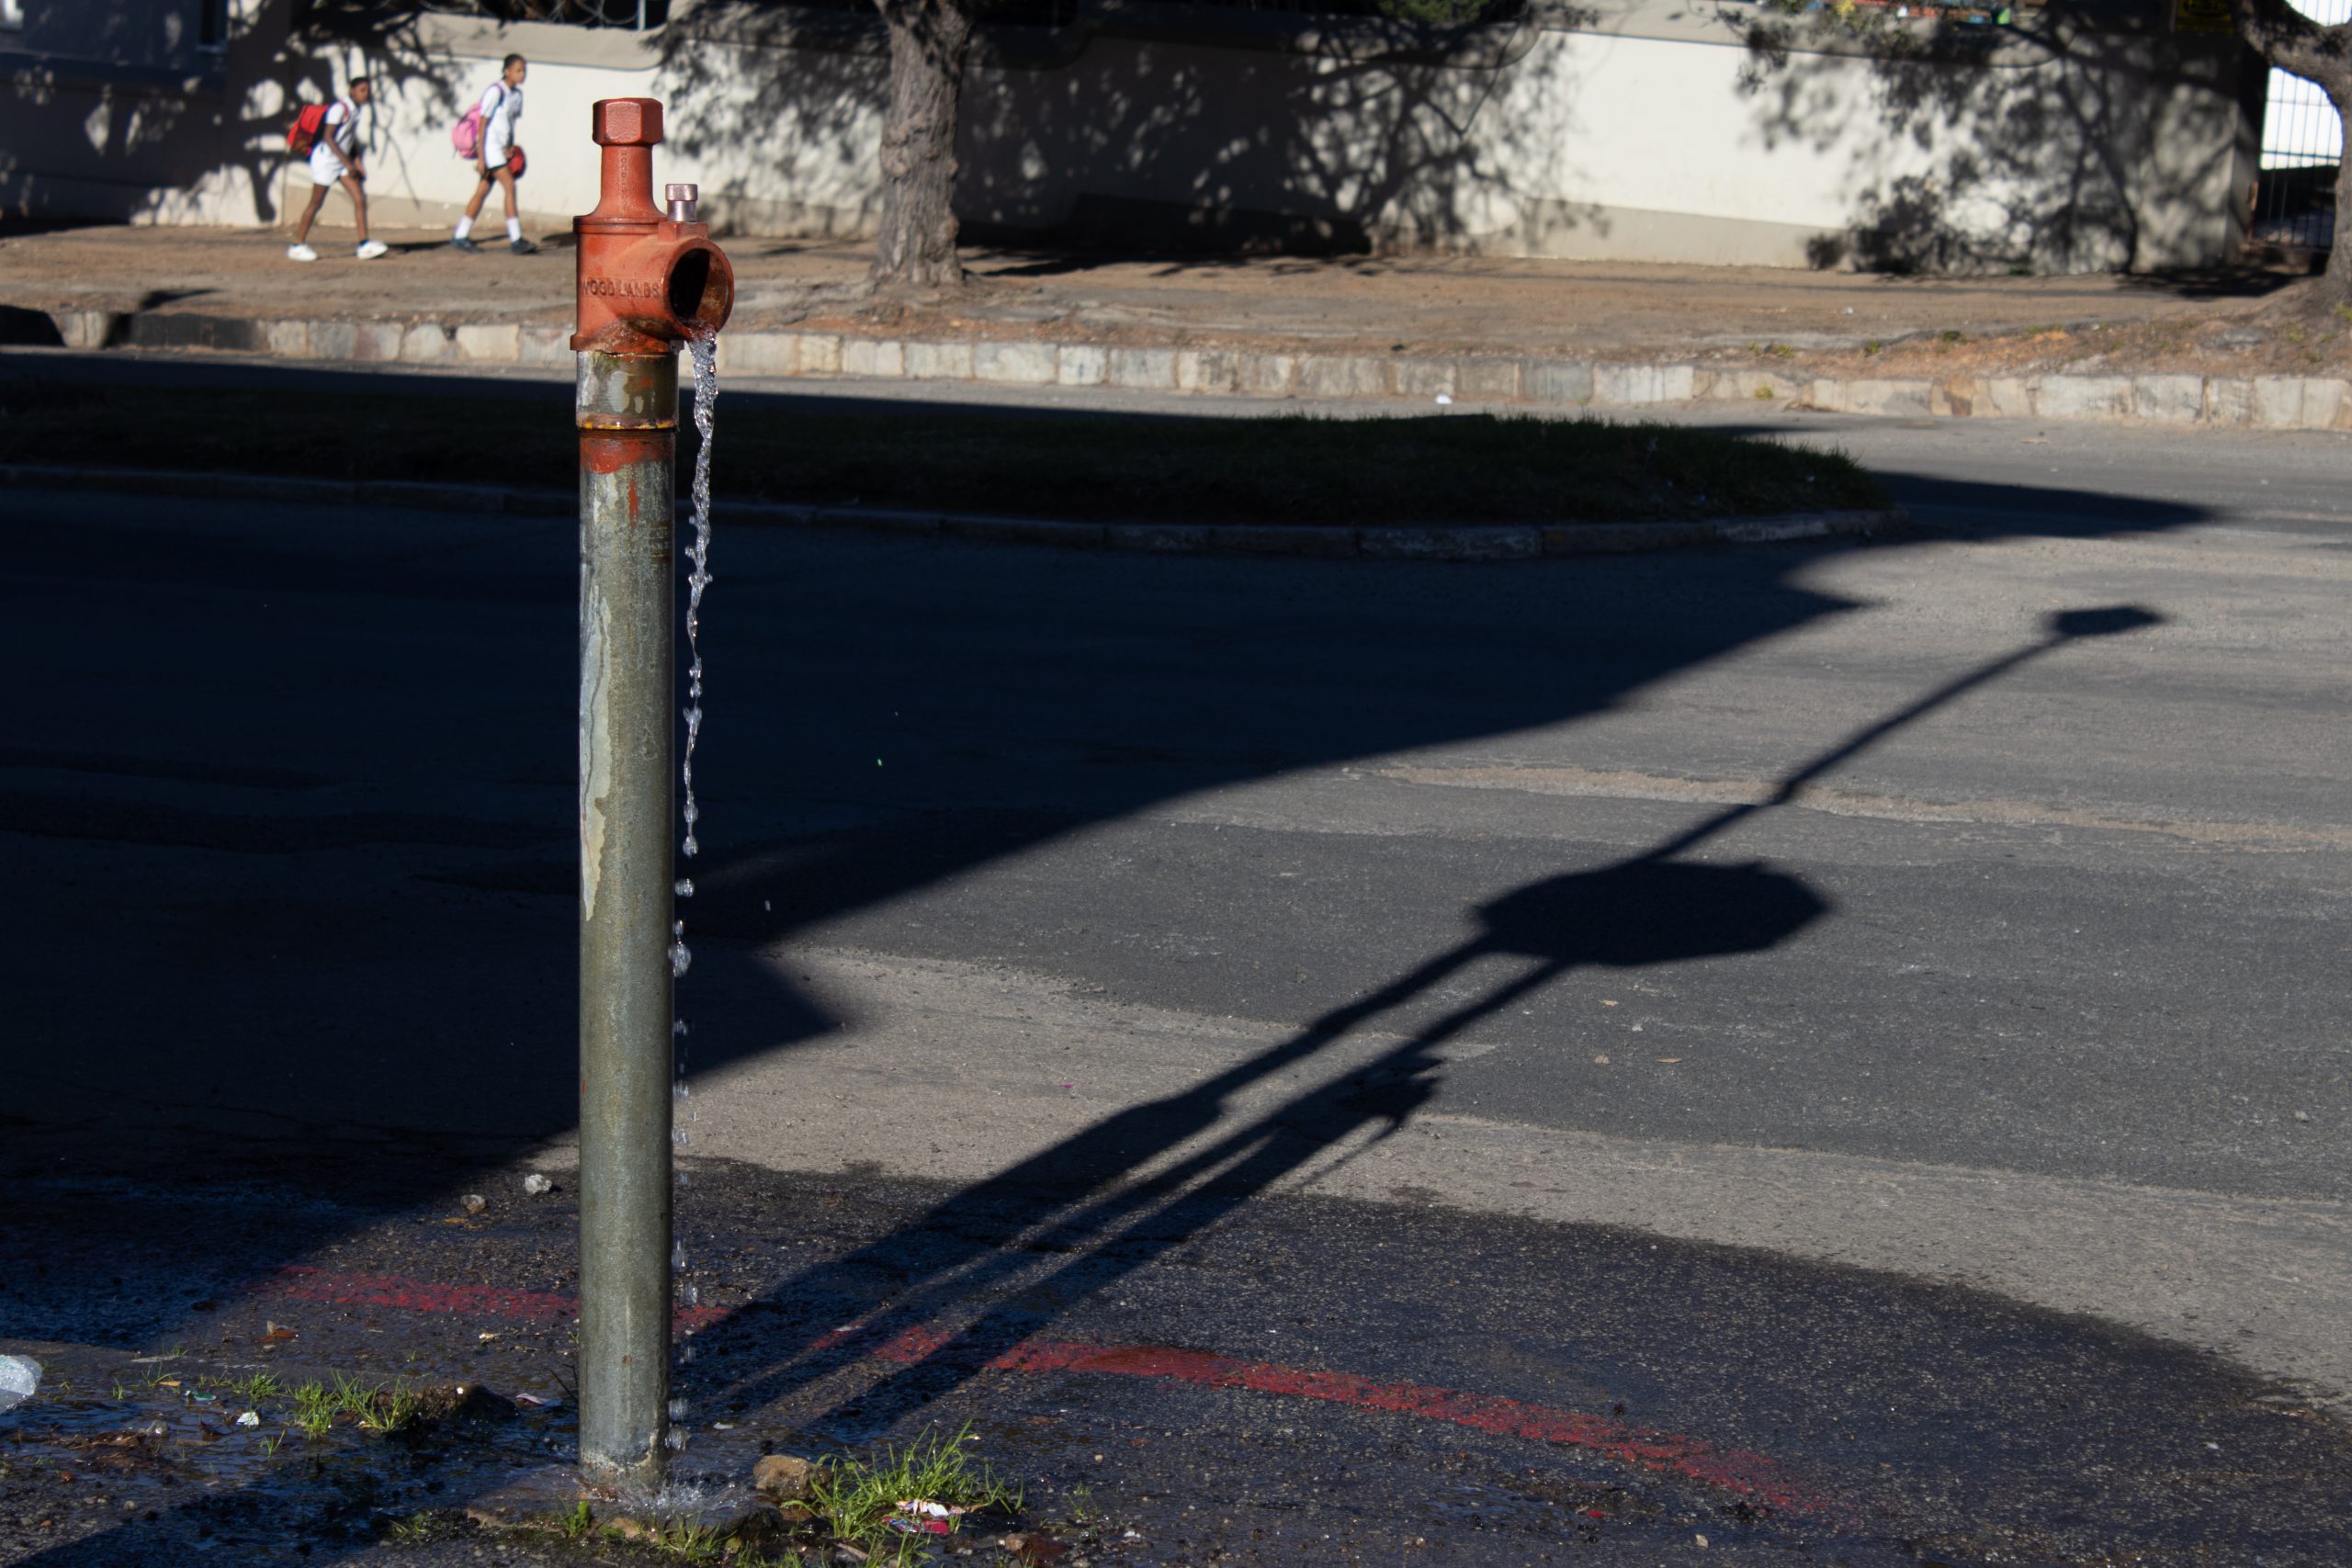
x=670, y=1539
x=687, y=1544
x=383, y=1408
x=415, y=1529
x=256, y=1388
x=857, y=1497
x=390, y=1408
x=314, y=1409
x=249, y=1391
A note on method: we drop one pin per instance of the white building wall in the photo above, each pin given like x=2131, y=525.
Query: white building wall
x=1651, y=133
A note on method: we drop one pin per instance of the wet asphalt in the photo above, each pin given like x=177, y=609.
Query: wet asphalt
x=293, y=978
x=1846, y=1418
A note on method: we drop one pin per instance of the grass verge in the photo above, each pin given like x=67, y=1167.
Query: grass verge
x=1462, y=468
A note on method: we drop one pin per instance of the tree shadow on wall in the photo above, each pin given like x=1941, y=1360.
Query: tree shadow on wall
x=1244, y=133
x=781, y=105
x=2075, y=138
x=141, y=144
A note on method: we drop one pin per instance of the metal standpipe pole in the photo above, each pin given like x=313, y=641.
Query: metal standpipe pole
x=647, y=280
x=627, y=695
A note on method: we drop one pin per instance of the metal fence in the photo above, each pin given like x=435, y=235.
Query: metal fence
x=1443, y=13
x=635, y=14
x=2302, y=142
x=645, y=14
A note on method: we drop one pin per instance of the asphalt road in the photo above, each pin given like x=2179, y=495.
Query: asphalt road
x=1171, y=934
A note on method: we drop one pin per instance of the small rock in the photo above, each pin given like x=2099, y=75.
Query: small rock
x=529, y=1497
x=469, y=1402
x=476, y=1204
x=2241, y=337
x=782, y=1478
x=538, y=1185
x=2302, y=1115
x=19, y=1377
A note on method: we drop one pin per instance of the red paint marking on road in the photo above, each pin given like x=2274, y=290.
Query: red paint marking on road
x=300, y=1284
x=1738, y=1472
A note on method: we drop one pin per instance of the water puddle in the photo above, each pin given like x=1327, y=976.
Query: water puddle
x=144, y=1448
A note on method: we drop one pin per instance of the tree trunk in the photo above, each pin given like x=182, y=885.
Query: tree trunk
x=928, y=41
x=2337, y=290
x=2285, y=38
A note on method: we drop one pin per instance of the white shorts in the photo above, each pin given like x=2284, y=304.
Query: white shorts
x=326, y=166
x=493, y=154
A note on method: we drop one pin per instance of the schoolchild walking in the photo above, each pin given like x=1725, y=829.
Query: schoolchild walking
x=334, y=161
x=498, y=156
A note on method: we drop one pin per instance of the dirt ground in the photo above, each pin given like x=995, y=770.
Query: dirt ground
x=1797, y=323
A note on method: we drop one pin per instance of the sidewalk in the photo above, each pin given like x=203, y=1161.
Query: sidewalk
x=2202, y=351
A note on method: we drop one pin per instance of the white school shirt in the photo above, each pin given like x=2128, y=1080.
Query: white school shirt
x=332, y=154
x=502, y=105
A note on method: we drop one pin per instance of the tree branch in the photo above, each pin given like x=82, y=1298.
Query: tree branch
x=2292, y=41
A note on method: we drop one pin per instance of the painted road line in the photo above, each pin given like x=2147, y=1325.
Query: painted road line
x=1744, y=1474
x=300, y=1284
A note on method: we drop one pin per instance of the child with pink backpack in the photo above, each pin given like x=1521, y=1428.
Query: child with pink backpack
x=489, y=136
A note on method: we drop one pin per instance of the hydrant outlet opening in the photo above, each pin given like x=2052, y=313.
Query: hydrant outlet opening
x=701, y=293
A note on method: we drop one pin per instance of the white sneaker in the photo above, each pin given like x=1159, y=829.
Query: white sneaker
x=301, y=253
x=371, y=249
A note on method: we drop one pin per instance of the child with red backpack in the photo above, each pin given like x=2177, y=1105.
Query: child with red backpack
x=329, y=134
x=489, y=135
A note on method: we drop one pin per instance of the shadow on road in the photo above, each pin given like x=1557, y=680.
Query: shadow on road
x=299, y=805
x=1091, y=1194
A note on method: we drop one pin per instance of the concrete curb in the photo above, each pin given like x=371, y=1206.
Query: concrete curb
x=1474, y=542
x=2251, y=402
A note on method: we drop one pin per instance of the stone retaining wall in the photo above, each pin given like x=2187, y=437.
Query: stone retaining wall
x=2264, y=402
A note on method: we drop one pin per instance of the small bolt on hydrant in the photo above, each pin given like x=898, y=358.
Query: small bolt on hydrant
x=647, y=280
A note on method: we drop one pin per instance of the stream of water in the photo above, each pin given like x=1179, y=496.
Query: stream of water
x=703, y=351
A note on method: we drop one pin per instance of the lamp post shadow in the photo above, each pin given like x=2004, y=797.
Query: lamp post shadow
x=1118, y=1194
